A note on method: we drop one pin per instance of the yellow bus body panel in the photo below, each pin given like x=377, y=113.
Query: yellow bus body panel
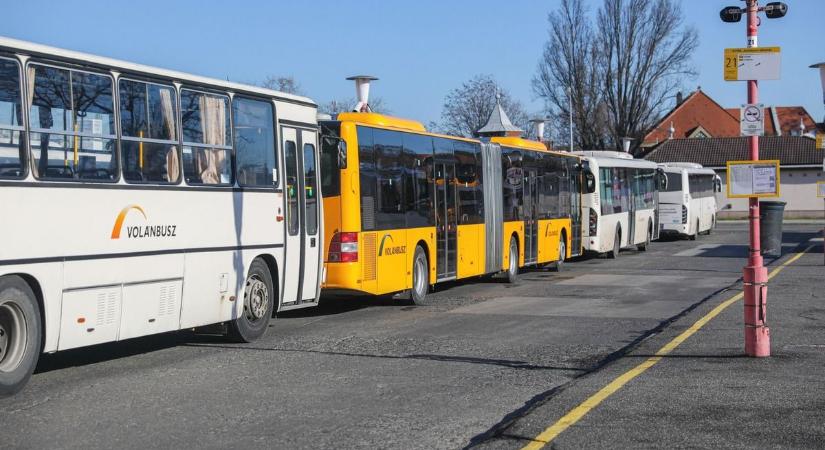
x=470, y=250
x=425, y=237
x=549, y=233
x=512, y=228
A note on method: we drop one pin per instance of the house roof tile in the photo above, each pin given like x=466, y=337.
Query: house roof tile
x=696, y=110
x=716, y=152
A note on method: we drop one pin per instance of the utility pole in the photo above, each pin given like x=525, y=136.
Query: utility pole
x=570, y=110
x=757, y=333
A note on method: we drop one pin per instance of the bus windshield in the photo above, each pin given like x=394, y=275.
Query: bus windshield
x=674, y=182
x=330, y=175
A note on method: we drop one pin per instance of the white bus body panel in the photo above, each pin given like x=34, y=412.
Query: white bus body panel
x=702, y=209
x=607, y=223
x=100, y=286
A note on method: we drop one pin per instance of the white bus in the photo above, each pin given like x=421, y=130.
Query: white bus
x=140, y=201
x=621, y=210
x=688, y=205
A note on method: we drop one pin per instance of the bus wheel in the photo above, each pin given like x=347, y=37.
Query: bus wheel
x=562, y=253
x=617, y=245
x=693, y=236
x=643, y=247
x=712, y=225
x=258, y=303
x=20, y=334
x=420, y=277
x=512, y=268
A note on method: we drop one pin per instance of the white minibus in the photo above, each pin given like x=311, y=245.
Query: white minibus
x=687, y=206
x=621, y=210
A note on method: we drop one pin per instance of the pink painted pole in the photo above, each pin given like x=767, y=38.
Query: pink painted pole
x=757, y=333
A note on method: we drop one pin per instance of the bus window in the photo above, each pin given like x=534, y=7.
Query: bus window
x=512, y=184
x=12, y=144
x=148, y=111
x=291, y=188
x=72, y=124
x=389, y=213
x=418, y=183
x=311, y=207
x=366, y=159
x=206, y=138
x=254, y=142
x=467, y=182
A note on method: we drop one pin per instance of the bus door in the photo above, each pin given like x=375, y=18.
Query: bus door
x=531, y=207
x=575, y=194
x=629, y=192
x=445, y=219
x=303, y=226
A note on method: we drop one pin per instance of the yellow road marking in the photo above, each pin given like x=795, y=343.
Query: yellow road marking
x=582, y=409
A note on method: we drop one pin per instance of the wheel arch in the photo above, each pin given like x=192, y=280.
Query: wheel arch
x=272, y=264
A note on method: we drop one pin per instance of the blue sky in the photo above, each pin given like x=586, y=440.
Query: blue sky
x=420, y=49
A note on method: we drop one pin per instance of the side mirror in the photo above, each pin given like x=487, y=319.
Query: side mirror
x=589, y=182
x=661, y=180
x=717, y=184
x=342, y=154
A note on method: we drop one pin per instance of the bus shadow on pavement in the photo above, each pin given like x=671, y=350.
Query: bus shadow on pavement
x=123, y=349
x=510, y=364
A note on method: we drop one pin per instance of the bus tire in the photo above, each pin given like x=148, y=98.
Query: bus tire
x=695, y=234
x=20, y=334
x=512, y=268
x=258, y=304
x=562, y=254
x=643, y=246
x=712, y=225
x=420, y=277
x=617, y=244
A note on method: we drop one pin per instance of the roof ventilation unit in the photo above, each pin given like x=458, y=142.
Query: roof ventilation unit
x=362, y=91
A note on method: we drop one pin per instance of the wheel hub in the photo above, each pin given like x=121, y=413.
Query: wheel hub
x=12, y=336
x=257, y=298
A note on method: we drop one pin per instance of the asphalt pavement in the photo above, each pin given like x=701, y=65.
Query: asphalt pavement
x=483, y=364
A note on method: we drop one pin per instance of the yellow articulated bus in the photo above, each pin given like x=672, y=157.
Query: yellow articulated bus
x=405, y=209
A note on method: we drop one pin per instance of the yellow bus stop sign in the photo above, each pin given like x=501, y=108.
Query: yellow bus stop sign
x=757, y=63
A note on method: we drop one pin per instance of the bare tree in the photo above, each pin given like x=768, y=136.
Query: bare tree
x=645, y=54
x=568, y=71
x=286, y=84
x=333, y=107
x=620, y=82
x=467, y=108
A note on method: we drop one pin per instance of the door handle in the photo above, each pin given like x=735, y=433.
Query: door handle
x=312, y=242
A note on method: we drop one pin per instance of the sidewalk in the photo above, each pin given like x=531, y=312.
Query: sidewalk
x=706, y=394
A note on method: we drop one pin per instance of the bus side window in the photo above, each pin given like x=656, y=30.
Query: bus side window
x=207, y=142
x=254, y=142
x=148, y=123
x=12, y=140
x=73, y=124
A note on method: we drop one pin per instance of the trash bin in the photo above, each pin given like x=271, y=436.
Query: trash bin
x=770, y=231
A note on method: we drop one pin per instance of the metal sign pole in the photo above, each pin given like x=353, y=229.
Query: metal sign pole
x=757, y=333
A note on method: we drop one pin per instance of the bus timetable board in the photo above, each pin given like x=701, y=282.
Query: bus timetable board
x=756, y=63
x=753, y=179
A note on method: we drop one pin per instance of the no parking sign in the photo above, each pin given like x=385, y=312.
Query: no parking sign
x=752, y=120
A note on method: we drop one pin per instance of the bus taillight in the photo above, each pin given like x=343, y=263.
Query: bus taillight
x=343, y=248
x=594, y=222
x=684, y=214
